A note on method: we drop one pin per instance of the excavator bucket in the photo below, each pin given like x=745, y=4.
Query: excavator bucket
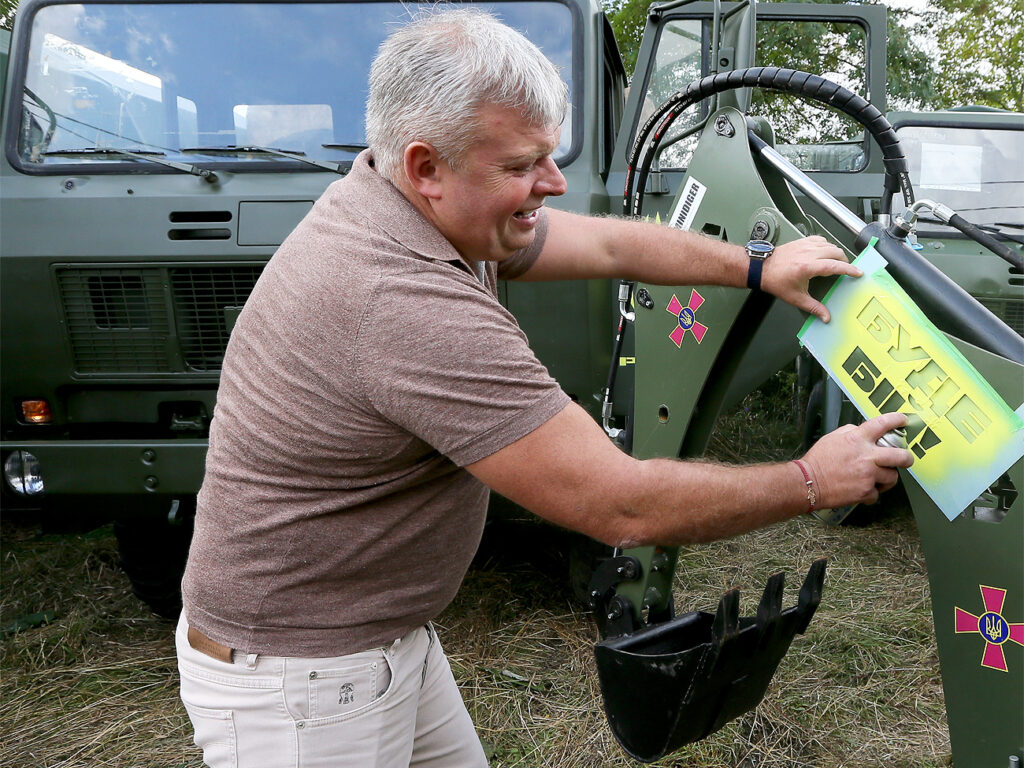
x=672, y=683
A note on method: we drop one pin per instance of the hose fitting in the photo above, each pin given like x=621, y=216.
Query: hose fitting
x=905, y=226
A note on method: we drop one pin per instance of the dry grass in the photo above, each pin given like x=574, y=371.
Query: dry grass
x=860, y=689
x=97, y=686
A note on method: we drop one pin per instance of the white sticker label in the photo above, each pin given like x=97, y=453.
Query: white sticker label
x=689, y=202
x=951, y=166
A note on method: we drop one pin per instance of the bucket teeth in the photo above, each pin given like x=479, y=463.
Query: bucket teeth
x=771, y=601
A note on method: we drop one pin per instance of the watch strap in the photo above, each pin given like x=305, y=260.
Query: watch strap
x=754, y=274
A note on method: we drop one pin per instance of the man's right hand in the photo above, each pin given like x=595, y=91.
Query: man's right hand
x=847, y=467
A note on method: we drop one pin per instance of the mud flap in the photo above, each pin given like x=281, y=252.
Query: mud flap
x=673, y=683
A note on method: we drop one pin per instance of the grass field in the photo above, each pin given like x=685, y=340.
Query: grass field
x=96, y=686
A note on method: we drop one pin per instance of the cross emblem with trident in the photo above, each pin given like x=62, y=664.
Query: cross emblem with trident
x=992, y=626
x=686, y=319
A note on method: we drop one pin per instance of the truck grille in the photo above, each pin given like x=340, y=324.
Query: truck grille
x=206, y=300
x=152, y=319
x=1010, y=311
x=116, y=319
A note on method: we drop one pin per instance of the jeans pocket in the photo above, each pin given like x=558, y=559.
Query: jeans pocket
x=349, y=689
x=215, y=735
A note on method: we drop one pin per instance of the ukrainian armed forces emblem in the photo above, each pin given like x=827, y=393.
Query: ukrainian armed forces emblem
x=991, y=625
x=686, y=319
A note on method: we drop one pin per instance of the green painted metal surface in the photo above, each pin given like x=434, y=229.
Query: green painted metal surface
x=680, y=390
x=984, y=704
x=975, y=562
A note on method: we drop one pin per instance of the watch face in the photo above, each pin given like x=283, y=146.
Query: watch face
x=760, y=249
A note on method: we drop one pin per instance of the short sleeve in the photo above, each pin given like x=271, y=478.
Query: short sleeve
x=439, y=357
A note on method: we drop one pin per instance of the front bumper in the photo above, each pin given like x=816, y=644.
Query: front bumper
x=116, y=467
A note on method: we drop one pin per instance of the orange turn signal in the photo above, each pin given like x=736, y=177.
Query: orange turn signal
x=36, y=411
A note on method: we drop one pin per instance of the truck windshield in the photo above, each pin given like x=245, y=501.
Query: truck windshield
x=167, y=77
x=978, y=172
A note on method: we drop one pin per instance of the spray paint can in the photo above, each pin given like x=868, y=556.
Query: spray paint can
x=894, y=438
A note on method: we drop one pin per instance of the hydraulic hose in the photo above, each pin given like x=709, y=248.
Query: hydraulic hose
x=980, y=236
x=625, y=291
x=906, y=222
x=815, y=87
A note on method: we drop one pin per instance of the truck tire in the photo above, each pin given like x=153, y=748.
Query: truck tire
x=153, y=550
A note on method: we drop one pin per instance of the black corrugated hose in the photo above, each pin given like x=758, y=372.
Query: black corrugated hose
x=815, y=87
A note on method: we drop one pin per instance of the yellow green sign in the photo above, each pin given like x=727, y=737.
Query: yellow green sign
x=886, y=356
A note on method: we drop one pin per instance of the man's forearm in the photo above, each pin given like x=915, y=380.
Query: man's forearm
x=679, y=503
x=569, y=472
x=656, y=254
x=589, y=247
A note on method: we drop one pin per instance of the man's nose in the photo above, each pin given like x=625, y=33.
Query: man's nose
x=551, y=183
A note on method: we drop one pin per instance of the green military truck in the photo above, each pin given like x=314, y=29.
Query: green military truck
x=154, y=156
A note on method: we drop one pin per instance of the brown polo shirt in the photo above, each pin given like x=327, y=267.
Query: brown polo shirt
x=367, y=367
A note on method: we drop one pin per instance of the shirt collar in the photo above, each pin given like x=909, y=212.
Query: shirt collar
x=383, y=204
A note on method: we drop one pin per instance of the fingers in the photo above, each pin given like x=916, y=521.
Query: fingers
x=878, y=426
x=849, y=467
x=871, y=497
x=887, y=479
x=817, y=309
x=828, y=266
x=815, y=246
x=788, y=273
x=873, y=429
x=894, y=457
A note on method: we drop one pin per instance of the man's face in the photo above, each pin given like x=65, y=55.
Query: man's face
x=488, y=207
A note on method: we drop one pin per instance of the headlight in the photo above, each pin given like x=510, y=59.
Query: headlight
x=22, y=472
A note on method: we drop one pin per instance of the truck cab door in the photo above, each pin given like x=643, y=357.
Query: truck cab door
x=685, y=41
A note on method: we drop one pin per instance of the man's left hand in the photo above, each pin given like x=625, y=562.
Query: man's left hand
x=789, y=270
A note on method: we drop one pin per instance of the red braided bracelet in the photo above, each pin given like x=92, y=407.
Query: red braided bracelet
x=812, y=497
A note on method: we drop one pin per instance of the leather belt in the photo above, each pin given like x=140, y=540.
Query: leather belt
x=211, y=648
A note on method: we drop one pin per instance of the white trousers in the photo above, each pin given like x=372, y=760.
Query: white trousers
x=393, y=707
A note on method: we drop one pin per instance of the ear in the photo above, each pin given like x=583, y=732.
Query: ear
x=424, y=169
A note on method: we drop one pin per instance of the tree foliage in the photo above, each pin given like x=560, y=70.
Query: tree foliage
x=628, y=19
x=980, y=52
x=7, y=9
x=911, y=81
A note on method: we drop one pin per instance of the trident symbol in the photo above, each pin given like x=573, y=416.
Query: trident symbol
x=993, y=628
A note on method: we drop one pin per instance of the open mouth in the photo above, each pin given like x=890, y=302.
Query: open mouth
x=527, y=217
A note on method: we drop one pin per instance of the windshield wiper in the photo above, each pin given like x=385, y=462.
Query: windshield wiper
x=353, y=148
x=251, y=149
x=40, y=148
x=146, y=155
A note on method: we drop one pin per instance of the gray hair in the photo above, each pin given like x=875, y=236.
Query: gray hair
x=431, y=78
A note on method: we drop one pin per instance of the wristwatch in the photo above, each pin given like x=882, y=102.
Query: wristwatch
x=758, y=251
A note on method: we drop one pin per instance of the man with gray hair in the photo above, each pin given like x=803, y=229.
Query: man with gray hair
x=374, y=390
